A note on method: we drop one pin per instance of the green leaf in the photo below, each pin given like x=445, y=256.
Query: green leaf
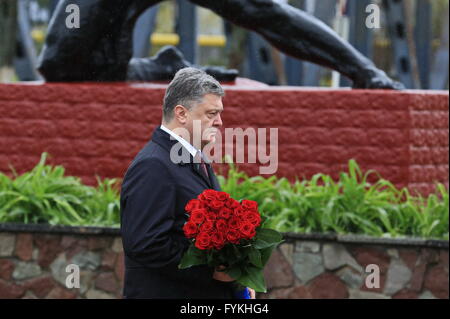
x=210, y=257
x=234, y=272
x=265, y=254
x=253, y=278
x=255, y=257
x=192, y=257
x=266, y=237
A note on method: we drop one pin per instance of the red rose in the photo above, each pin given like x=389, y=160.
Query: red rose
x=233, y=236
x=211, y=216
x=222, y=196
x=190, y=229
x=253, y=217
x=249, y=205
x=207, y=226
x=198, y=216
x=218, y=240
x=221, y=226
x=247, y=230
x=234, y=222
x=203, y=241
x=225, y=213
x=232, y=203
x=194, y=204
x=208, y=195
x=216, y=204
x=190, y=206
x=238, y=211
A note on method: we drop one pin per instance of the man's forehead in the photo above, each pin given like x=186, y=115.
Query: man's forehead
x=217, y=107
x=213, y=102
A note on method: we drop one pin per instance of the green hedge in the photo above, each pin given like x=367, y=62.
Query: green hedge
x=350, y=205
x=318, y=205
x=45, y=195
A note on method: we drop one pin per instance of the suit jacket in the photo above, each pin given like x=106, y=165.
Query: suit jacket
x=153, y=196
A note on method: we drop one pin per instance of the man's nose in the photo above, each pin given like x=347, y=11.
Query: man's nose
x=218, y=121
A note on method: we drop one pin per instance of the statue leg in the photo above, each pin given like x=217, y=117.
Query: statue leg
x=303, y=36
x=100, y=49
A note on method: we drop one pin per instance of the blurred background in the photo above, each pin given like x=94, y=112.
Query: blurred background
x=410, y=44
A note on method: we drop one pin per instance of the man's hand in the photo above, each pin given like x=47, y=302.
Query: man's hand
x=252, y=293
x=374, y=78
x=220, y=275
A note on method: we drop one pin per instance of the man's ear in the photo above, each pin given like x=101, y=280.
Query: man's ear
x=180, y=113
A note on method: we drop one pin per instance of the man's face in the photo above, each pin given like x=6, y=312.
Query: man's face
x=207, y=113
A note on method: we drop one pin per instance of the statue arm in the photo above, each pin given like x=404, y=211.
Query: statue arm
x=301, y=35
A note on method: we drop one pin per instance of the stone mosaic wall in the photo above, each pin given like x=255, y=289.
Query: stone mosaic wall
x=33, y=265
x=319, y=270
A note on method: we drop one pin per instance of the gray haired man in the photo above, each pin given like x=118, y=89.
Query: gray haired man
x=156, y=189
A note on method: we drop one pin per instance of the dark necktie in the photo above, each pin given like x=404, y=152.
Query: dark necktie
x=203, y=165
x=198, y=157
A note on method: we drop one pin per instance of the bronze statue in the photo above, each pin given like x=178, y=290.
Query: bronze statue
x=101, y=49
x=164, y=65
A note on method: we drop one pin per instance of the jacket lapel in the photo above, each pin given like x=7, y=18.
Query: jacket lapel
x=163, y=138
x=214, y=182
x=197, y=170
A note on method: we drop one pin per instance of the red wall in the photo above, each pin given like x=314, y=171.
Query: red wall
x=98, y=128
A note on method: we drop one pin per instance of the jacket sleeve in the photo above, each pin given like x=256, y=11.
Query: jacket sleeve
x=147, y=221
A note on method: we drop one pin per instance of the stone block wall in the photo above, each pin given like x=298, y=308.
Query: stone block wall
x=33, y=261
x=317, y=269
x=33, y=265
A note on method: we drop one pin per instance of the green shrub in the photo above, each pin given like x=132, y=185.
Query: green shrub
x=319, y=205
x=45, y=195
x=349, y=205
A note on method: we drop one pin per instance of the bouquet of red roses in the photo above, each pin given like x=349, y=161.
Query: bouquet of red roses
x=226, y=232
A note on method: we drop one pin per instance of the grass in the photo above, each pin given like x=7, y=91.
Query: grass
x=350, y=205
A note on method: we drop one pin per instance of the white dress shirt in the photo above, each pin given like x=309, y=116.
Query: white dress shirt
x=185, y=143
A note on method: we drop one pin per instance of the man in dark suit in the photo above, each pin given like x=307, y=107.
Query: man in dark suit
x=157, y=187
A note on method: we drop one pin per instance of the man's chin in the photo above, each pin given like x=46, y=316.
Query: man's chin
x=210, y=140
